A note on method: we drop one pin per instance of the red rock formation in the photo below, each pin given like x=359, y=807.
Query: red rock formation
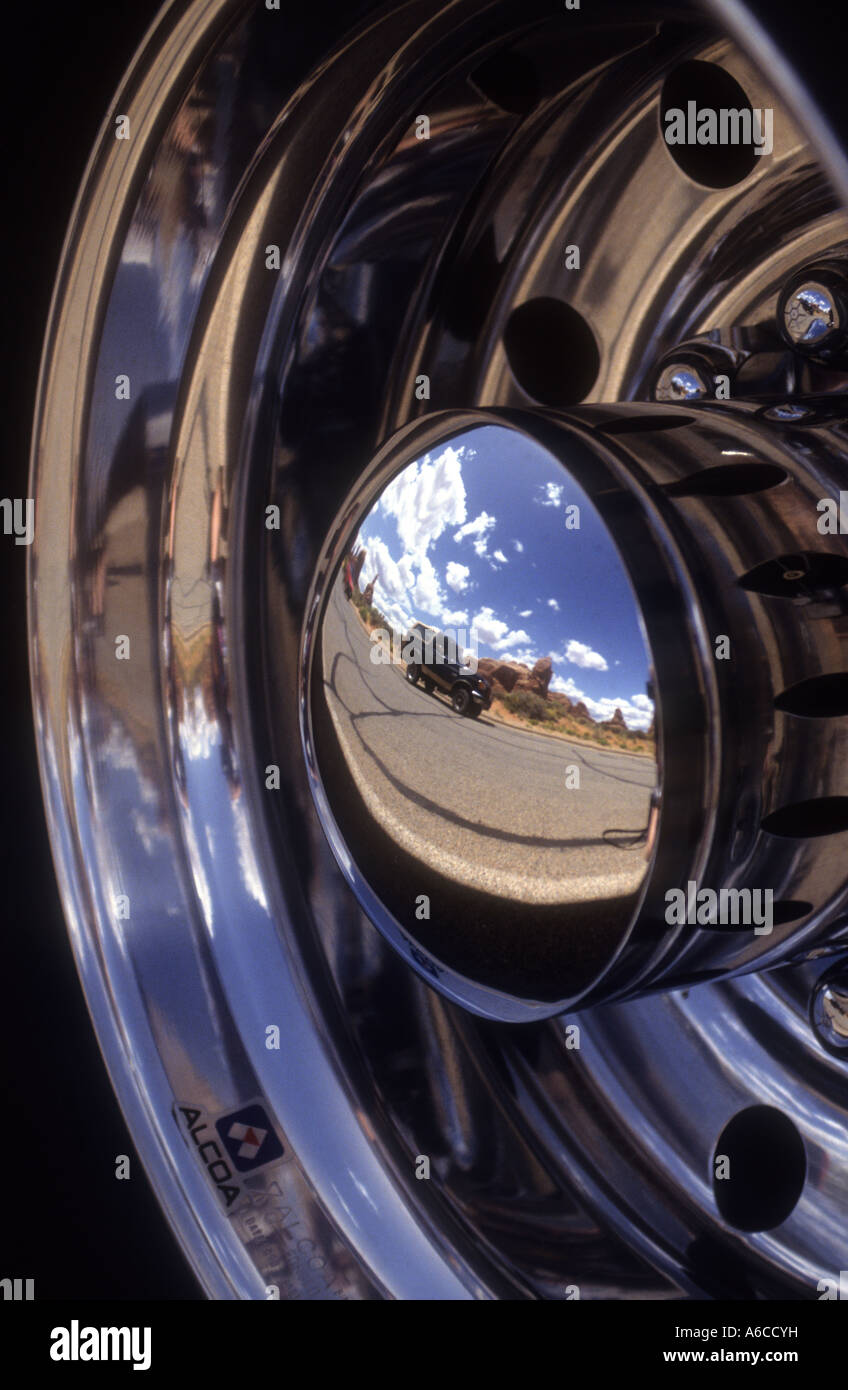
x=356, y=562
x=504, y=676
x=368, y=595
x=541, y=676
x=617, y=722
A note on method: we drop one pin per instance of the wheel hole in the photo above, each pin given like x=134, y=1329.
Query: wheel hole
x=807, y=820
x=552, y=352
x=795, y=576
x=728, y=480
x=820, y=697
x=712, y=89
x=789, y=910
x=759, y=1169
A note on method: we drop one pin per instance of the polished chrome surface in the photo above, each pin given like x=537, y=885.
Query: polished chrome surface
x=813, y=313
x=751, y=739
x=705, y=368
x=680, y=383
x=811, y=316
x=523, y=833
x=205, y=902
x=829, y=1011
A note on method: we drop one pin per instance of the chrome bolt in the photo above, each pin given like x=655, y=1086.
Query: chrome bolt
x=691, y=371
x=813, y=311
x=681, y=382
x=811, y=316
x=830, y=1011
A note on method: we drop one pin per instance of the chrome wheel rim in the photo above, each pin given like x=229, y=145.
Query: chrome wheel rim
x=155, y=774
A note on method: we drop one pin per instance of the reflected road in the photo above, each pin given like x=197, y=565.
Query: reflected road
x=485, y=804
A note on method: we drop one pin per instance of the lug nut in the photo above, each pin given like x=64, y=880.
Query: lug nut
x=810, y=316
x=680, y=382
x=830, y=1011
x=813, y=312
x=692, y=372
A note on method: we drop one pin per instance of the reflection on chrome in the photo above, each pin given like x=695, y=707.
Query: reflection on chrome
x=402, y=261
x=487, y=732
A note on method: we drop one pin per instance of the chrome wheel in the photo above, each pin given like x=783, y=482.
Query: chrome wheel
x=275, y=294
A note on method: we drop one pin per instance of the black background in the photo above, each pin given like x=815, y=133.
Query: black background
x=66, y=1221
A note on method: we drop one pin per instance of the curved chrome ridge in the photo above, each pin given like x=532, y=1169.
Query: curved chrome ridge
x=272, y=275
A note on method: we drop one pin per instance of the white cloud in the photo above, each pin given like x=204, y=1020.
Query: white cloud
x=392, y=578
x=636, y=716
x=456, y=576
x=428, y=592
x=604, y=709
x=488, y=628
x=528, y=613
x=425, y=499
x=478, y=528
x=397, y=588
x=549, y=494
x=499, y=555
x=519, y=546
x=493, y=633
x=567, y=686
x=397, y=615
x=458, y=619
x=510, y=638
x=405, y=570
x=581, y=655
x=525, y=655
x=552, y=603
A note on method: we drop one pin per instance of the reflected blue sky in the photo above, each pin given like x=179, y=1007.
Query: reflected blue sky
x=475, y=535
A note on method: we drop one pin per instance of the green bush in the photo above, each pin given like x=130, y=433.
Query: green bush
x=371, y=616
x=528, y=705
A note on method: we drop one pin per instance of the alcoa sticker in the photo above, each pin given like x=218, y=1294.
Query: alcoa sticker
x=233, y=1144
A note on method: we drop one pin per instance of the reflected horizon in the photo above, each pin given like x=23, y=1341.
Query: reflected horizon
x=466, y=738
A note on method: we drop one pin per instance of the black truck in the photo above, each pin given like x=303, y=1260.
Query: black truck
x=433, y=658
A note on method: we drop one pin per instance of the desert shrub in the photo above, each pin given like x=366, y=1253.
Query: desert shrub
x=528, y=705
x=371, y=616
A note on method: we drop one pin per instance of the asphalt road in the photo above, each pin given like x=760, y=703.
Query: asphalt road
x=484, y=804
